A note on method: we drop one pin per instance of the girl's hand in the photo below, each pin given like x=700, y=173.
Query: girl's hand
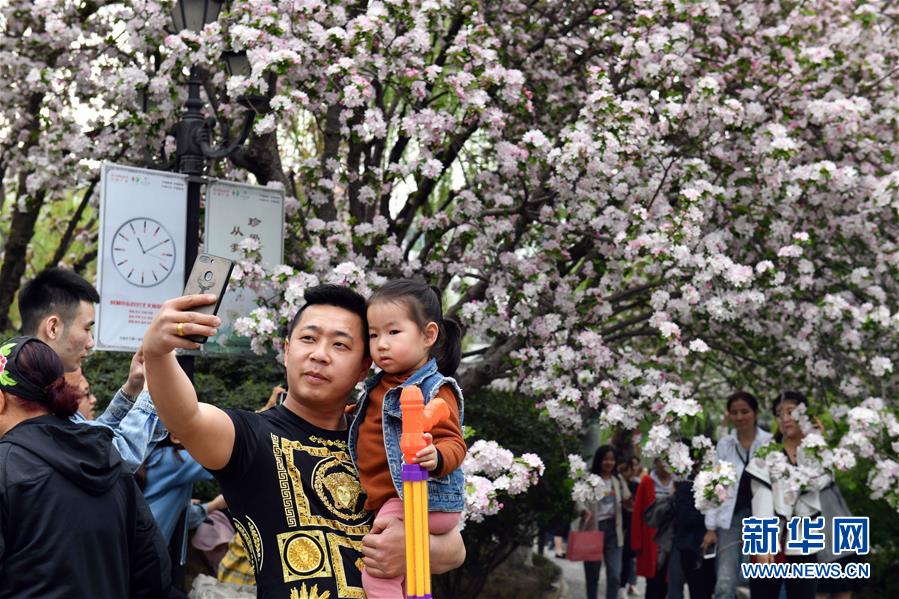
x=427, y=457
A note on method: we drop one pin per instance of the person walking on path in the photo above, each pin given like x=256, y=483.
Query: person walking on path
x=724, y=524
x=606, y=515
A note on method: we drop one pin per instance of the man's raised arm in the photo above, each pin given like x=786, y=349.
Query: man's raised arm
x=132, y=418
x=205, y=431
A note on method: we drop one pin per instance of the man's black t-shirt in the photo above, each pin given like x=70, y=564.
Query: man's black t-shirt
x=298, y=506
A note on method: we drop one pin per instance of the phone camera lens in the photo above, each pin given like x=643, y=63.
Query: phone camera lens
x=208, y=276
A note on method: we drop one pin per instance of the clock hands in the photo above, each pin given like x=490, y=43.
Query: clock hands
x=141, y=245
x=155, y=246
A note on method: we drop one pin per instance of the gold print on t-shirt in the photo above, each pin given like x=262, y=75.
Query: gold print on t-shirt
x=257, y=543
x=303, y=555
x=307, y=593
x=284, y=483
x=333, y=481
x=255, y=559
x=338, y=489
x=309, y=549
x=335, y=544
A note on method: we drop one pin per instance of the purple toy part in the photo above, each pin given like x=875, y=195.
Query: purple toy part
x=414, y=473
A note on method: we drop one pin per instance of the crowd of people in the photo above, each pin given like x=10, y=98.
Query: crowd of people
x=100, y=505
x=673, y=545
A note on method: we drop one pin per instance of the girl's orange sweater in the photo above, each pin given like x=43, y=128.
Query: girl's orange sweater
x=374, y=472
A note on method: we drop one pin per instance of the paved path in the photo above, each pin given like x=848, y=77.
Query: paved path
x=574, y=579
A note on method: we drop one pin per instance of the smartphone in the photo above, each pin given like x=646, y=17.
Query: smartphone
x=209, y=274
x=281, y=397
x=710, y=552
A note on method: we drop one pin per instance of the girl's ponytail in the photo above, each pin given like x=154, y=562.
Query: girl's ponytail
x=448, y=350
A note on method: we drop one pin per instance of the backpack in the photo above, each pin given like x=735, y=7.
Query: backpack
x=660, y=515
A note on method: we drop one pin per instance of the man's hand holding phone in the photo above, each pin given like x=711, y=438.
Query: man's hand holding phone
x=177, y=319
x=209, y=274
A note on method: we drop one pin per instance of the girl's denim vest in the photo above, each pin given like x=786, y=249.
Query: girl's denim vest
x=445, y=494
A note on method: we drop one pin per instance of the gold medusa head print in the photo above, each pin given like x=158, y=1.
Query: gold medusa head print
x=338, y=489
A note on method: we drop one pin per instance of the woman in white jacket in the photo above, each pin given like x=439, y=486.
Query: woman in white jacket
x=772, y=496
x=724, y=524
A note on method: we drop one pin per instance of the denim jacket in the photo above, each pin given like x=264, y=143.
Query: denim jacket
x=135, y=426
x=445, y=493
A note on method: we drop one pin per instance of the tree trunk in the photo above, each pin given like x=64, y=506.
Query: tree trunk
x=21, y=230
x=480, y=374
x=261, y=156
x=328, y=211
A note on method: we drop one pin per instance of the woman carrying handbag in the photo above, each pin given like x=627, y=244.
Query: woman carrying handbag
x=605, y=515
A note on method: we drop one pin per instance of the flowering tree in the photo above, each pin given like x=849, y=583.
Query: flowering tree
x=634, y=207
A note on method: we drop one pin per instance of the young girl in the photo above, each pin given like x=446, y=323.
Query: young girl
x=412, y=344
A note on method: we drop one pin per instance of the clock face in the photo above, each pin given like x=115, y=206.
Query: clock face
x=143, y=252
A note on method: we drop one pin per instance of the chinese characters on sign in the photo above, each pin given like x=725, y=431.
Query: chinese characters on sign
x=239, y=235
x=806, y=535
x=237, y=213
x=760, y=535
x=851, y=535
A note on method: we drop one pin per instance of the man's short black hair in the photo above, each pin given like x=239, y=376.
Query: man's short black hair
x=53, y=291
x=340, y=297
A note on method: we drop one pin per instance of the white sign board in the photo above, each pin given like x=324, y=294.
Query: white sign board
x=235, y=211
x=143, y=222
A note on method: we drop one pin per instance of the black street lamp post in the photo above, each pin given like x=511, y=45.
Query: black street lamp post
x=193, y=132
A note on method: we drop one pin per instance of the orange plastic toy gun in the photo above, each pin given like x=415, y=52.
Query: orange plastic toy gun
x=417, y=420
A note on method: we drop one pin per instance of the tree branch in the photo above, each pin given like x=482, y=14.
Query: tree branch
x=66, y=240
x=629, y=322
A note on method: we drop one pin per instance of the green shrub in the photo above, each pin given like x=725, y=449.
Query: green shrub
x=226, y=382
x=515, y=423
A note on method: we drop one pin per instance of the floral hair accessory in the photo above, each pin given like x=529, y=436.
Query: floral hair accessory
x=11, y=380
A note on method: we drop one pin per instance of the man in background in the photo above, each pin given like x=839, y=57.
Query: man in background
x=57, y=307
